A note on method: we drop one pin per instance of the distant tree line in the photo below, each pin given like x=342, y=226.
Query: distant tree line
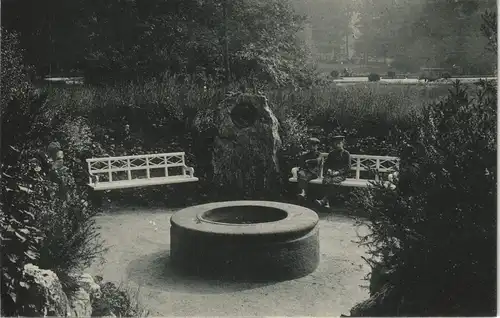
x=428, y=33
x=411, y=33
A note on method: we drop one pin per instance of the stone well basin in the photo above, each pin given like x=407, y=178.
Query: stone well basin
x=257, y=240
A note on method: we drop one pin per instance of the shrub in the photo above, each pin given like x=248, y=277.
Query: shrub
x=374, y=77
x=334, y=74
x=432, y=240
x=25, y=186
x=25, y=191
x=78, y=143
x=14, y=77
x=117, y=300
x=446, y=75
x=346, y=73
x=72, y=240
x=51, y=219
x=39, y=224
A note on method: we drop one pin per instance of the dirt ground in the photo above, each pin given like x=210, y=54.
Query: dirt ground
x=138, y=256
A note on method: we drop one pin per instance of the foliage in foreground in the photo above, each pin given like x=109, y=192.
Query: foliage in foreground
x=433, y=239
x=45, y=218
x=119, y=300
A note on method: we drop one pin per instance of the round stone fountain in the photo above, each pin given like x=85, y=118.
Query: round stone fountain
x=256, y=240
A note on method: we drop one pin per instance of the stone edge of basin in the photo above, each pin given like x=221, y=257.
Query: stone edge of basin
x=298, y=219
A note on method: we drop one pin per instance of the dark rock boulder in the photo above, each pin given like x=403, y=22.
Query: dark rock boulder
x=246, y=144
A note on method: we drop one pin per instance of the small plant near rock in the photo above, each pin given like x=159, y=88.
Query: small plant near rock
x=118, y=300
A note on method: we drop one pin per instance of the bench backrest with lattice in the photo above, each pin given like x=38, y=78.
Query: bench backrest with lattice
x=160, y=168
x=366, y=164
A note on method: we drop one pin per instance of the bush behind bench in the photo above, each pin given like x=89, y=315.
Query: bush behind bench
x=168, y=116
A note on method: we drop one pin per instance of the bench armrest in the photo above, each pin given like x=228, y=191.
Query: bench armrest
x=93, y=179
x=189, y=170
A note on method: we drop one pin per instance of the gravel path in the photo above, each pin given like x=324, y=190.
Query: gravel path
x=139, y=252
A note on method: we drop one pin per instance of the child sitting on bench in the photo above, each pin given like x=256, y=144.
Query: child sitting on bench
x=335, y=168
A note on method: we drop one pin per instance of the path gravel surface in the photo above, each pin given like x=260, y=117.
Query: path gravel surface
x=138, y=256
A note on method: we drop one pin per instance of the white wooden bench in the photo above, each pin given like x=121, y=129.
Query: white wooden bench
x=139, y=171
x=363, y=167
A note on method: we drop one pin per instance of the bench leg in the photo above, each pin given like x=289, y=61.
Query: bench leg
x=302, y=185
x=303, y=181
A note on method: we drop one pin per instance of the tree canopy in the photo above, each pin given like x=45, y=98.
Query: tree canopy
x=123, y=39
x=129, y=38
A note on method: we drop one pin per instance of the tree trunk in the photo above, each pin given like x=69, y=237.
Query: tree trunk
x=226, y=44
